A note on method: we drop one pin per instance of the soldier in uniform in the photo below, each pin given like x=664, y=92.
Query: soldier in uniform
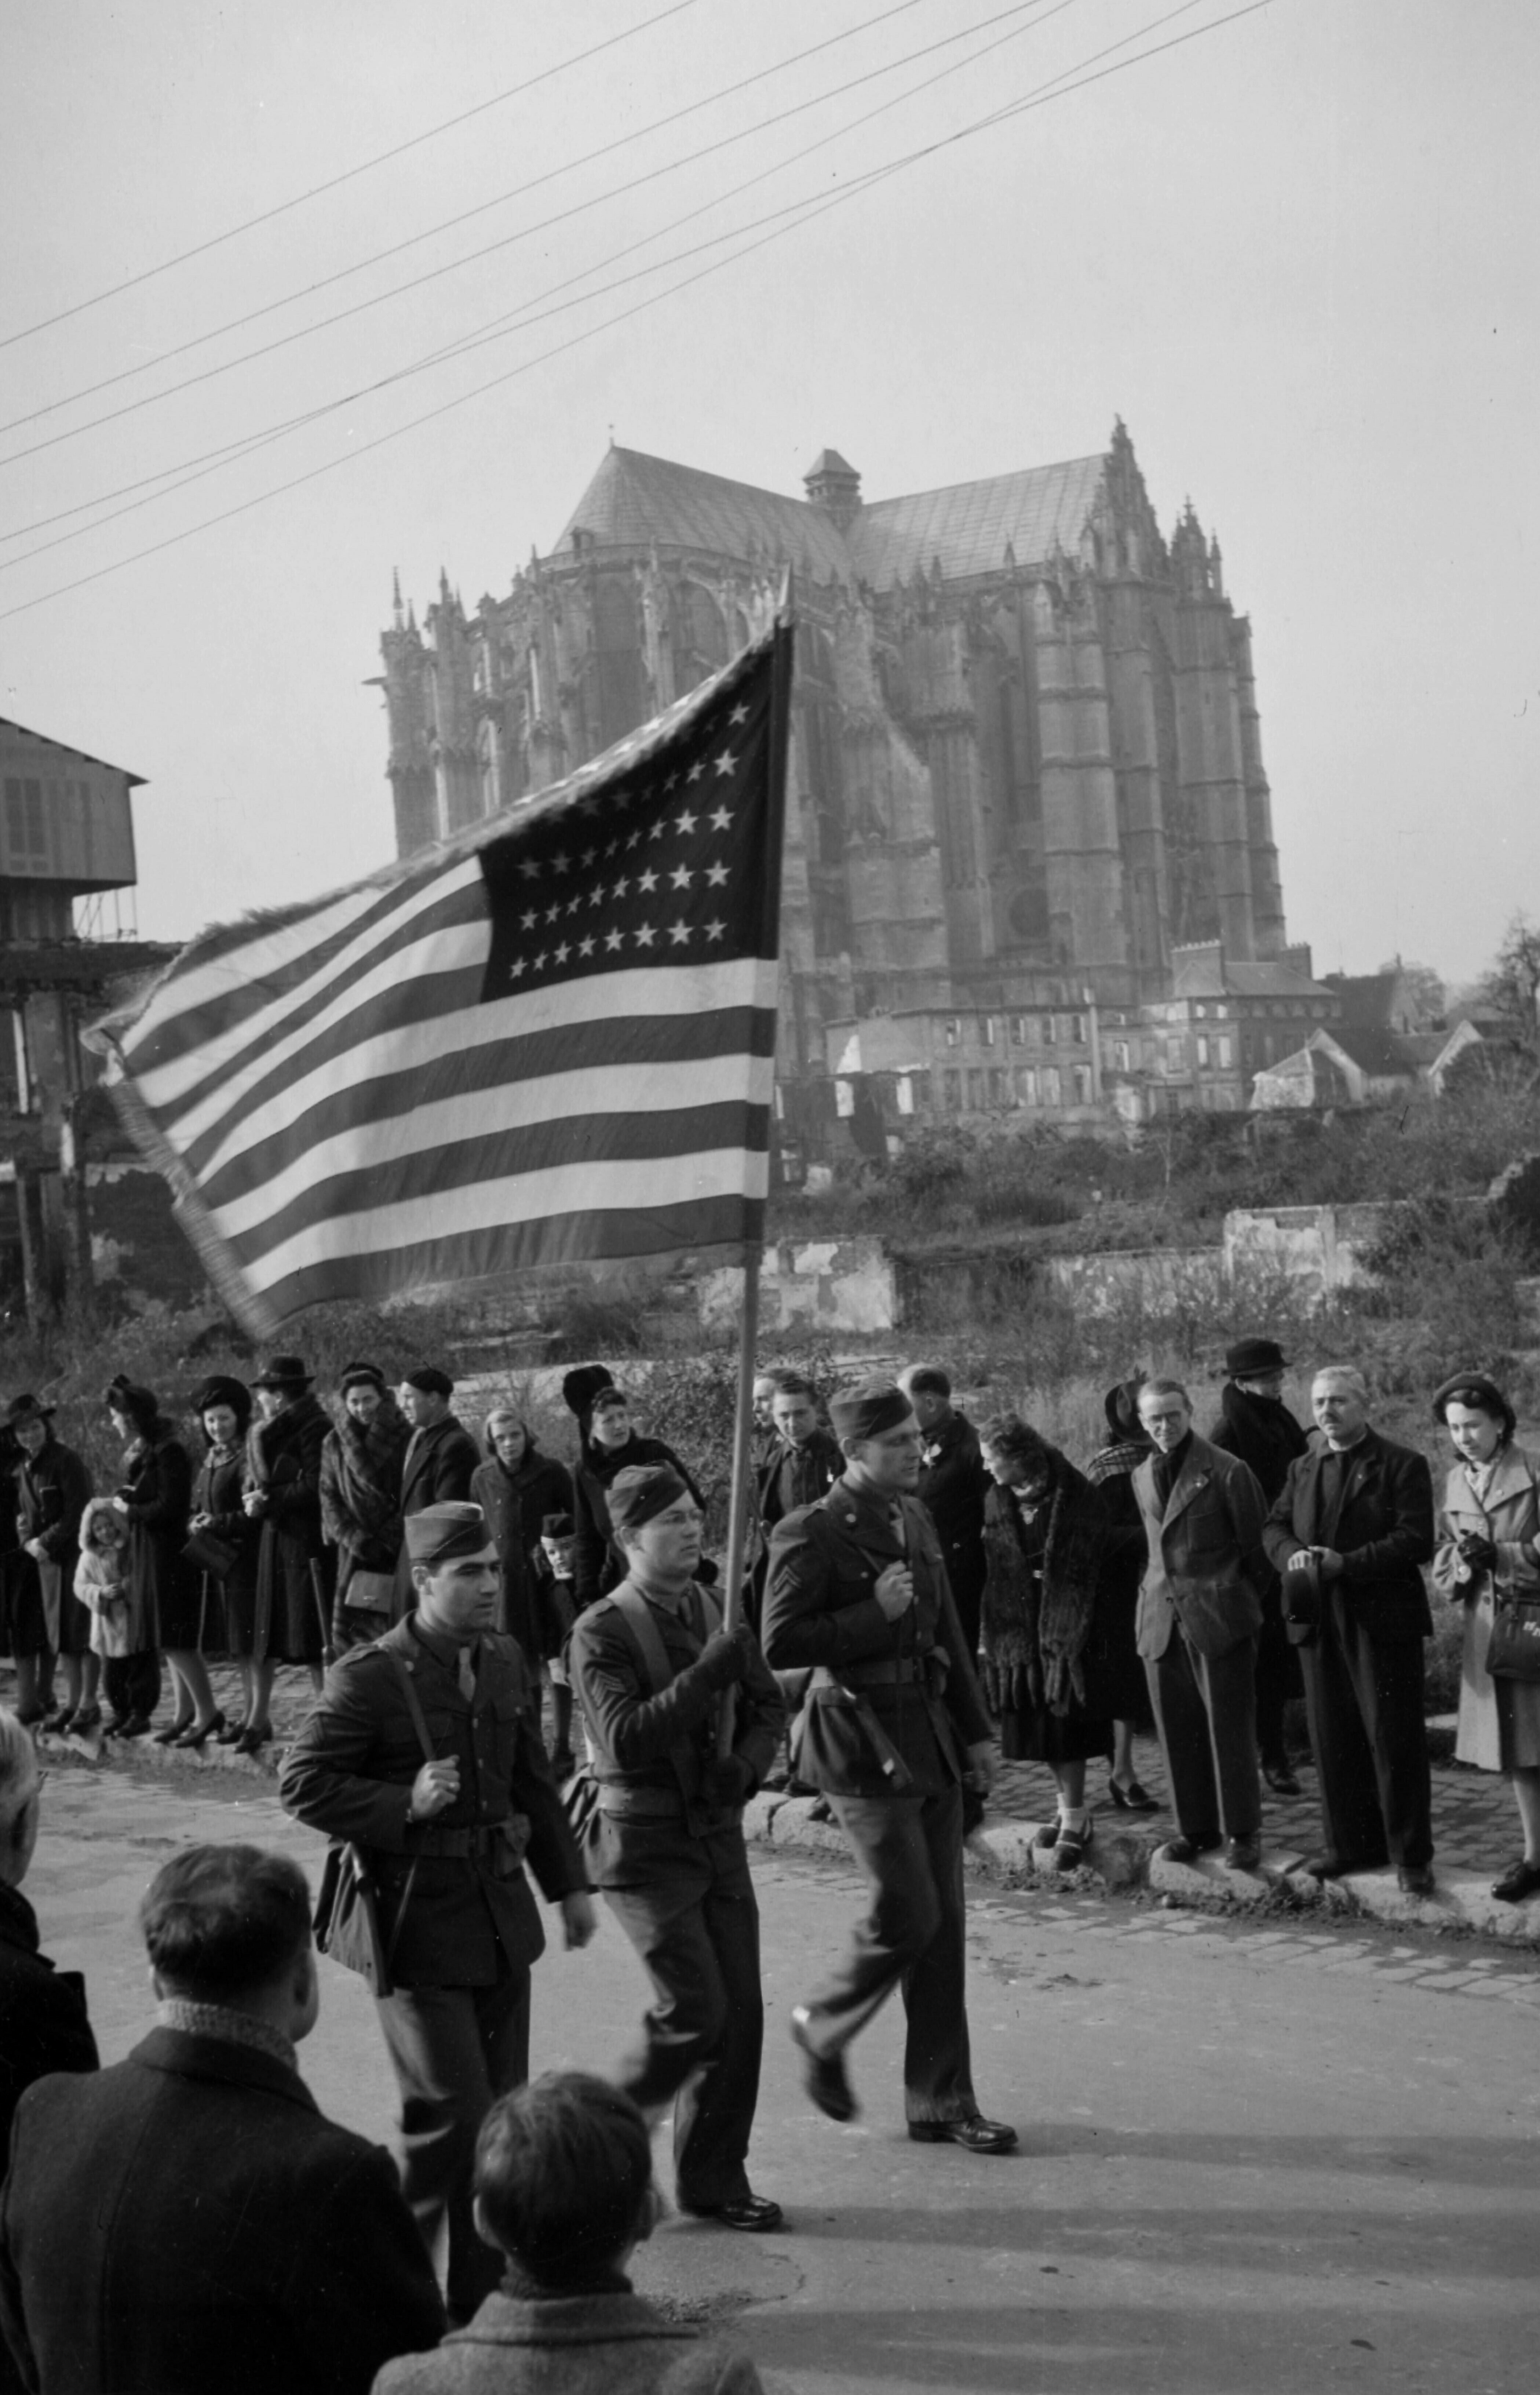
x=651, y=1667
x=893, y=1727
x=448, y=1839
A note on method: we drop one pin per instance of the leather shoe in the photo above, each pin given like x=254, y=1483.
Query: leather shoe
x=1521, y=1880
x=1417, y=1879
x=823, y=2076
x=1070, y=1851
x=1185, y=1850
x=753, y=2213
x=977, y=2135
x=1046, y=1835
x=1243, y=1854
x=1280, y=1777
x=1326, y=1867
x=1132, y=1799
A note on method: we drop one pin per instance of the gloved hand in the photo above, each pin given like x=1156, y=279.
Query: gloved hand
x=727, y=1779
x=724, y=1658
x=1478, y=1551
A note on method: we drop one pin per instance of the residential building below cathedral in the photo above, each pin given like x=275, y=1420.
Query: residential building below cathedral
x=1029, y=861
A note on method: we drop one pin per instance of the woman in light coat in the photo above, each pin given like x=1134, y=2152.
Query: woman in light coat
x=1489, y=1547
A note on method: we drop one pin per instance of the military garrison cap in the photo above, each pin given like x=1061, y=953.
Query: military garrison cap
x=868, y=1407
x=440, y=1533
x=641, y=1490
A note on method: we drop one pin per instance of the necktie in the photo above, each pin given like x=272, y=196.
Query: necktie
x=466, y=1669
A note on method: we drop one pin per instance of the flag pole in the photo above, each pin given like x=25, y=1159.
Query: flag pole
x=738, y=1503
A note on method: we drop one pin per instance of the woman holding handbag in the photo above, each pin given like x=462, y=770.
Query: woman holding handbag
x=222, y=1542
x=360, y=1504
x=1488, y=1560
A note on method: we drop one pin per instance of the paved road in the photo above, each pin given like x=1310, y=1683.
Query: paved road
x=1253, y=2158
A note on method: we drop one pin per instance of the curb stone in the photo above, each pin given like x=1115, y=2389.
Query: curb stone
x=1126, y=1862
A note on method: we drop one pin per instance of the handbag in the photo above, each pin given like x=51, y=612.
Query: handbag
x=372, y=1591
x=347, y=1924
x=207, y=1554
x=1513, y=1650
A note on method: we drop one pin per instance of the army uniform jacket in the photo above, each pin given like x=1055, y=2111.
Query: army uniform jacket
x=914, y=1674
x=349, y=1772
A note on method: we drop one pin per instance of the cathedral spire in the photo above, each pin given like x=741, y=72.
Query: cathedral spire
x=396, y=596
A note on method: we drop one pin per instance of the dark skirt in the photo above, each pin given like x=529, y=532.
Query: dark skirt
x=180, y=1611
x=25, y=1626
x=292, y=1606
x=1040, y=1735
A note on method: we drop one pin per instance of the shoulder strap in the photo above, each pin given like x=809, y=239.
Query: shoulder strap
x=639, y=1627
x=413, y=1704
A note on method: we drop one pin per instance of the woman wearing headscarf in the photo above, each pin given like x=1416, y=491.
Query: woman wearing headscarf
x=516, y=1487
x=52, y=1489
x=1049, y=1670
x=220, y=1520
x=606, y=1445
x=156, y=1492
x=1489, y=1549
x=361, y=1502
x=282, y=1494
x=1111, y=1472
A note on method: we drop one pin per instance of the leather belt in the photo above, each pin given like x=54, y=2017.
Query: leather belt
x=459, y=1845
x=641, y=1804
x=899, y=1672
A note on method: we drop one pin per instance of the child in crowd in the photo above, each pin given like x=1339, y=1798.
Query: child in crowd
x=564, y=2188
x=102, y=1586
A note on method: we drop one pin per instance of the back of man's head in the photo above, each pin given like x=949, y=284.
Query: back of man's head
x=564, y=2178
x=224, y=1925
x=18, y=1785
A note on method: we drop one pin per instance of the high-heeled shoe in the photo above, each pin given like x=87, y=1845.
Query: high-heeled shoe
x=231, y=1734
x=81, y=1724
x=1132, y=1799
x=171, y=1734
x=251, y=1741
x=191, y=1739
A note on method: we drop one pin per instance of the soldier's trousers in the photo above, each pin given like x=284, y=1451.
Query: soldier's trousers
x=690, y=1914
x=912, y=1937
x=454, y=2050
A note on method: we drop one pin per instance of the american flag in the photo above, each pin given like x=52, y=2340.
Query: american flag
x=548, y=1041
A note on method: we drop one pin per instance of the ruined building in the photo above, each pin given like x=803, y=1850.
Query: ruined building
x=1026, y=765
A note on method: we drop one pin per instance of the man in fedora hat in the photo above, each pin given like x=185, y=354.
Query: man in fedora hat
x=893, y=1728
x=50, y=1488
x=448, y=1834
x=1356, y=1513
x=1256, y=1425
x=441, y=1458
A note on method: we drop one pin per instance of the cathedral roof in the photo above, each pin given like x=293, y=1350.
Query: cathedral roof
x=1038, y=511
x=635, y=501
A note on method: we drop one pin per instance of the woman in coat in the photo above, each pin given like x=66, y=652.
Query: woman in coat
x=1110, y=1472
x=51, y=1487
x=283, y=1496
x=156, y=1491
x=1050, y=1669
x=223, y=1408
x=1489, y=1547
x=360, y=1504
x=516, y=1487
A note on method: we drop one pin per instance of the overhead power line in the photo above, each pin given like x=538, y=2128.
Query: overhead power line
x=349, y=175
x=1059, y=88
x=506, y=240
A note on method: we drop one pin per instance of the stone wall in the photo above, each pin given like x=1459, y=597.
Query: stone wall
x=810, y=1285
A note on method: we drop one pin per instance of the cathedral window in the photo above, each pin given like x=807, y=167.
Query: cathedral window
x=700, y=636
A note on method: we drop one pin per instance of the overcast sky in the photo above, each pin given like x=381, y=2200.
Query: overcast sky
x=1297, y=255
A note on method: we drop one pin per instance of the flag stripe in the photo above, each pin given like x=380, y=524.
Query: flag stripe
x=525, y=1202
x=695, y=1228
x=570, y=1071
x=431, y=1019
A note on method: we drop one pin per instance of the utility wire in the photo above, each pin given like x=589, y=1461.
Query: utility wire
x=471, y=257
x=350, y=174
x=194, y=468
x=1059, y=89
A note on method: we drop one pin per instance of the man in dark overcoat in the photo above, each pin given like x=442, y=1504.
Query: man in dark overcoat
x=893, y=1725
x=1256, y=1425
x=441, y=1459
x=1199, y=1612
x=43, y=2026
x=1354, y=1520
x=448, y=1837
x=953, y=1488
x=652, y=1667
x=187, y=2221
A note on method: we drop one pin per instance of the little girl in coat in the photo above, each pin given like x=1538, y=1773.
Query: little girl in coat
x=101, y=1585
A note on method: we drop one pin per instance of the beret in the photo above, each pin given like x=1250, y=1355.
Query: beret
x=641, y=1490
x=1477, y=1388
x=868, y=1407
x=1249, y=1358
x=433, y=1382
x=440, y=1533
